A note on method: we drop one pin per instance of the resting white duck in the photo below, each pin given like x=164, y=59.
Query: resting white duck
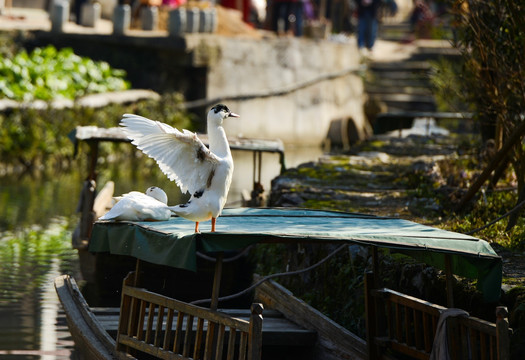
x=137, y=206
x=205, y=173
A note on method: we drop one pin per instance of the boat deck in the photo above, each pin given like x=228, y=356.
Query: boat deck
x=277, y=330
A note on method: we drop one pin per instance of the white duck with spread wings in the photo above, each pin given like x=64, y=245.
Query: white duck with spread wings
x=205, y=173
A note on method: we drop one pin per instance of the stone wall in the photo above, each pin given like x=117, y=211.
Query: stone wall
x=298, y=90
x=289, y=88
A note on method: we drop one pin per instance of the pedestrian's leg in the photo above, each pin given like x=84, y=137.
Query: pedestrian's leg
x=361, y=31
x=373, y=33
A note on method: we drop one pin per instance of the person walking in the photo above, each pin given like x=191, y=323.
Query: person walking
x=287, y=17
x=367, y=24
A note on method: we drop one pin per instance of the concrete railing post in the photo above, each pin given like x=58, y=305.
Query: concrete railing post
x=192, y=21
x=90, y=14
x=214, y=20
x=149, y=17
x=121, y=19
x=59, y=16
x=177, y=22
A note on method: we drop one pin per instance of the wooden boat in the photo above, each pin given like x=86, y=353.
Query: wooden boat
x=101, y=333
x=391, y=316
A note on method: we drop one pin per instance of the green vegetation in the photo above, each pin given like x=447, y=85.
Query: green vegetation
x=492, y=77
x=34, y=138
x=49, y=74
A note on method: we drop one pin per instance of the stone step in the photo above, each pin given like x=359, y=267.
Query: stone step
x=407, y=66
x=402, y=76
x=385, y=82
x=377, y=89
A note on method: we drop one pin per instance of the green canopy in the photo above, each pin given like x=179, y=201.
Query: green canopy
x=174, y=242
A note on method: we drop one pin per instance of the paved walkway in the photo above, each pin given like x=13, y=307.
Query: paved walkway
x=38, y=19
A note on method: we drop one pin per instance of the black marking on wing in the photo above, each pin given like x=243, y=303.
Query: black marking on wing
x=185, y=205
x=198, y=194
x=201, y=154
x=210, y=178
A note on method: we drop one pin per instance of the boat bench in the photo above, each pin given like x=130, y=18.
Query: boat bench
x=170, y=329
x=402, y=324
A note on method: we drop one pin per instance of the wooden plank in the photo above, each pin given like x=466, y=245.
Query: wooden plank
x=411, y=301
x=231, y=344
x=210, y=336
x=407, y=326
x=390, y=324
x=243, y=345
x=474, y=343
x=417, y=329
x=483, y=346
x=492, y=347
x=502, y=333
x=428, y=334
x=332, y=338
x=140, y=327
x=150, y=349
x=158, y=328
x=169, y=326
x=178, y=333
x=465, y=344
x=409, y=350
x=188, y=336
x=479, y=325
x=220, y=341
x=116, y=134
x=196, y=311
x=123, y=321
x=278, y=331
x=399, y=325
x=255, y=334
x=198, y=339
x=149, y=327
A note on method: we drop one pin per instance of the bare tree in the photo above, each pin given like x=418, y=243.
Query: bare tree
x=491, y=35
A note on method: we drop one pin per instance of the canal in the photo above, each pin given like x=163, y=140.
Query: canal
x=37, y=218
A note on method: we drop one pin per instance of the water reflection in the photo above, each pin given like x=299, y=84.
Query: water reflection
x=29, y=260
x=37, y=216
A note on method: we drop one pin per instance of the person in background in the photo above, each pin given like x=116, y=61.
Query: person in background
x=287, y=16
x=366, y=24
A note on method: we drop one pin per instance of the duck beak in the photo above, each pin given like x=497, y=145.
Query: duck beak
x=233, y=115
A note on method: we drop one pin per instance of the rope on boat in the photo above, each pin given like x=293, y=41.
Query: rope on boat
x=516, y=208
x=268, y=277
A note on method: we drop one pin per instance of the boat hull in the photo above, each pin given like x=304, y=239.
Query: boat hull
x=91, y=340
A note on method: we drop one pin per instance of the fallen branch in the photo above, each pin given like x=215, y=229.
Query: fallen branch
x=498, y=157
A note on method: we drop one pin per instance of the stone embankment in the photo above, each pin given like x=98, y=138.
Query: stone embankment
x=382, y=174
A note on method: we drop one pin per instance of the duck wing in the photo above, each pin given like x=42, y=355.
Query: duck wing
x=180, y=155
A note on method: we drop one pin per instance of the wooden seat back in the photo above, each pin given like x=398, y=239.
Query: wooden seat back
x=407, y=325
x=170, y=329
